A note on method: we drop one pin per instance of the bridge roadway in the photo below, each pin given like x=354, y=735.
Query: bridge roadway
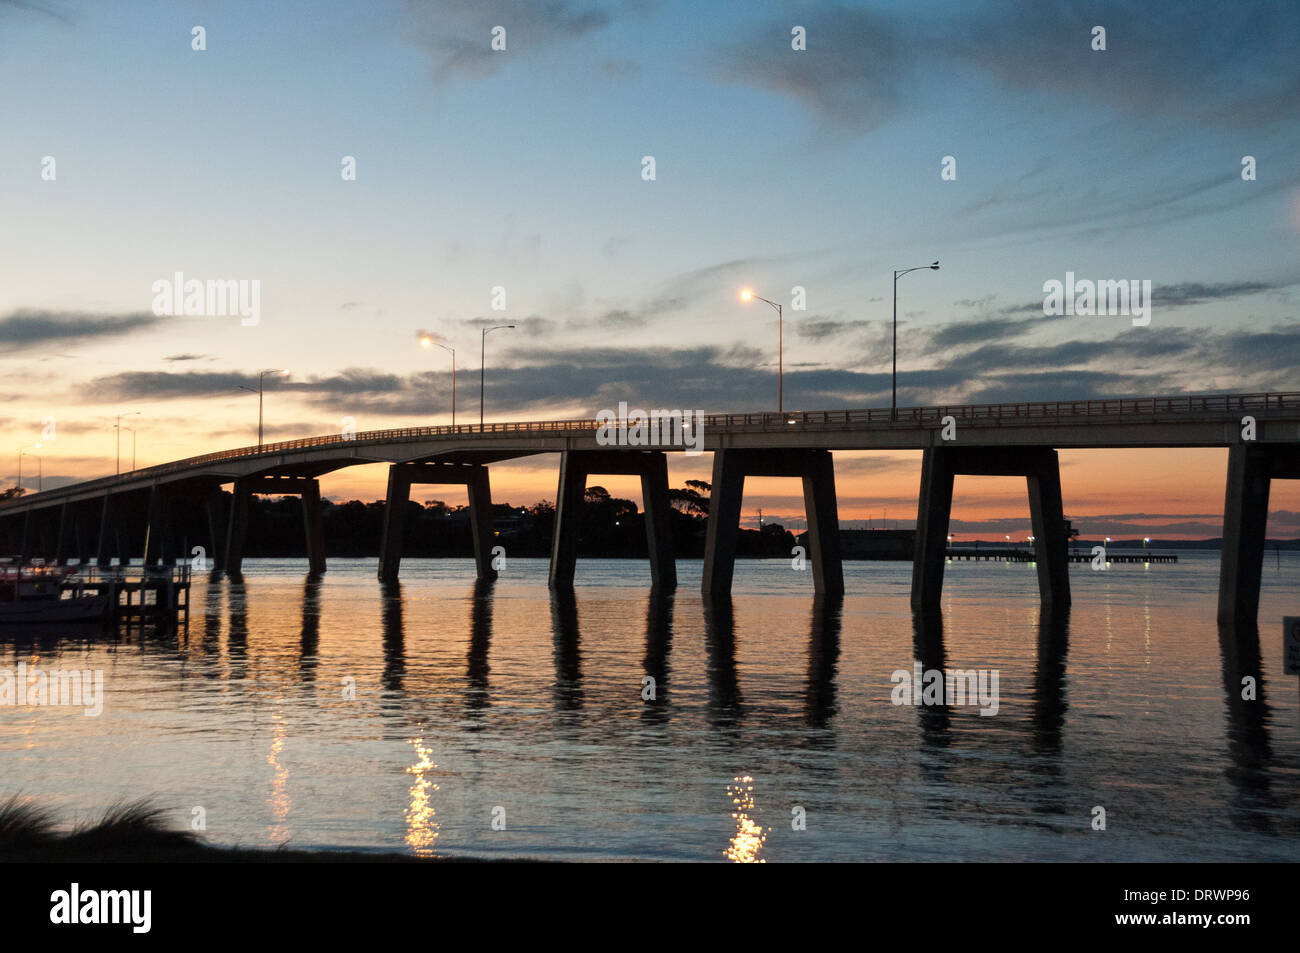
x=129, y=515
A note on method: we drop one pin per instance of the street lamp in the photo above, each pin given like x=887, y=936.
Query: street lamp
x=427, y=341
x=481, y=351
x=131, y=430
x=748, y=295
x=261, y=375
x=40, y=463
x=893, y=401
x=118, y=428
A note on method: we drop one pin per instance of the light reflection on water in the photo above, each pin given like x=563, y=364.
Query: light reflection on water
x=747, y=843
x=471, y=696
x=421, y=826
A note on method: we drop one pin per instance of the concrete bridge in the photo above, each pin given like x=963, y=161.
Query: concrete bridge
x=129, y=516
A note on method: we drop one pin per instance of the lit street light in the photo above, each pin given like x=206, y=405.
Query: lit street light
x=261, y=376
x=748, y=295
x=427, y=341
x=893, y=401
x=482, y=350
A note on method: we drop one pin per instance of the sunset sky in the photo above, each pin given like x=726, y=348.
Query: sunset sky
x=522, y=169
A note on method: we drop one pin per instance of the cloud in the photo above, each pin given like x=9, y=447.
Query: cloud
x=1194, y=292
x=1001, y=324
x=1227, y=63
x=1230, y=63
x=29, y=328
x=819, y=329
x=854, y=75
x=531, y=380
x=458, y=33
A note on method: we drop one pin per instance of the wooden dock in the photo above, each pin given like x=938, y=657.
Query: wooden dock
x=1027, y=556
x=135, y=593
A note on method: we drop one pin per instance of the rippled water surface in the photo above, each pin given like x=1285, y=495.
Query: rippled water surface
x=473, y=703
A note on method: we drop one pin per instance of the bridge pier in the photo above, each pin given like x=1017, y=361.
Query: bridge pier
x=652, y=467
x=63, y=543
x=158, y=545
x=83, y=535
x=1251, y=469
x=113, y=532
x=401, y=476
x=40, y=533
x=237, y=525
x=217, y=513
x=307, y=488
x=1040, y=467
x=102, y=555
x=817, y=470
x=313, y=521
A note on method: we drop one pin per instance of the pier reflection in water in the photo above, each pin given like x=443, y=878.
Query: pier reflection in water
x=621, y=722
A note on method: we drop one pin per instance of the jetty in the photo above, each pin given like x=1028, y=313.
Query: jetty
x=1027, y=556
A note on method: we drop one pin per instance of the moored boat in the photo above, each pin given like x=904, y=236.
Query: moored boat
x=44, y=593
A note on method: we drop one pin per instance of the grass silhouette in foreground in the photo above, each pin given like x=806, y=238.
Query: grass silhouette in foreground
x=135, y=831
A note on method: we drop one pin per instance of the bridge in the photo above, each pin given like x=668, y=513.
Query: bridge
x=129, y=515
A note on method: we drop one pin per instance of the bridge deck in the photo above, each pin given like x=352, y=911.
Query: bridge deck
x=1212, y=420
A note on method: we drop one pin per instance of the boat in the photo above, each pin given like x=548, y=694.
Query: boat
x=40, y=593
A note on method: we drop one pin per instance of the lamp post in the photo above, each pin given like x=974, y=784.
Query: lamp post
x=893, y=400
x=117, y=427
x=748, y=295
x=427, y=341
x=261, y=376
x=40, y=463
x=481, y=352
x=131, y=431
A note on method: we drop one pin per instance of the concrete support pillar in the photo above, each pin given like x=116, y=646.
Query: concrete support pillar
x=823, y=524
x=103, y=540
x=1051, y=547
x=237, y=526
x=48, y=523
x=314, y=526
x=81, y=538
x=1041, y=469
x=575, y=467
x=122, y=539
x=158, y=546
x=658, y=525
x=218, y=516
x=63, y=542
x=401, y=476
x=934, y=509
x=564, y=536
x=1245, y=518
x=394, y=529
x=25, y=538
x=816, y=469
x=480, y=516
x=723, y=527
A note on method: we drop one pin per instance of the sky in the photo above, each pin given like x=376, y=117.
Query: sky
x=518, y=177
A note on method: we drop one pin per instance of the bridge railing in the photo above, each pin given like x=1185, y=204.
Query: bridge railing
x=1101, y=410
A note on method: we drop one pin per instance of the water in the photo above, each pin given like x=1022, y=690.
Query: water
x=469, y=702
